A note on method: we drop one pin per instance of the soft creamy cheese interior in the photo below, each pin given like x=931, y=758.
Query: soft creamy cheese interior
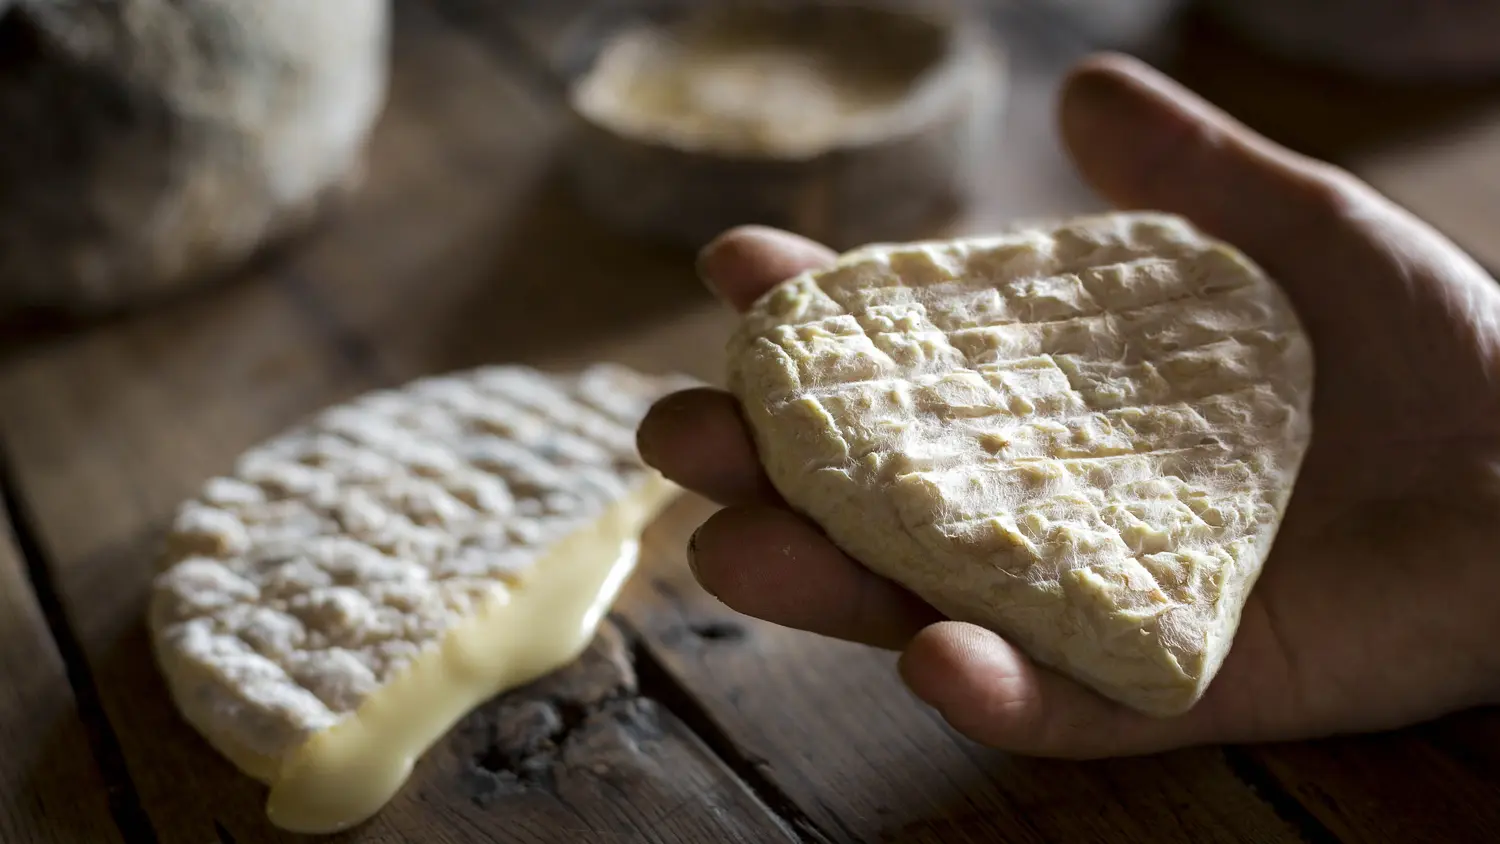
x=746, y=88
x=345, y=774
x=355, y=586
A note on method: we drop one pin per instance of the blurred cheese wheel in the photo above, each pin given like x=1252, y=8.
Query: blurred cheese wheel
x=151, y=144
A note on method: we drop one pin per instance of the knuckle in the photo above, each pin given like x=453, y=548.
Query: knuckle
x=1331, y=194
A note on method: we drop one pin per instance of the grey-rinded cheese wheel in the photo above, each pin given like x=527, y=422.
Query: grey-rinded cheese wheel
x=150, y=144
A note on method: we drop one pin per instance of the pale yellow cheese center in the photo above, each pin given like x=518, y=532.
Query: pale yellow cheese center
x=345, y=774
x=738, y=91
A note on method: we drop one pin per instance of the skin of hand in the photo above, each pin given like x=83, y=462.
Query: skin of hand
x=1373, y=609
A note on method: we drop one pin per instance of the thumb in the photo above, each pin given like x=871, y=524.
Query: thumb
x=1373, y=284
x=1145, y=142
x=990, y=692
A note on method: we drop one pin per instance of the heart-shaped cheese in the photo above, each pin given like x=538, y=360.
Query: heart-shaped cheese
x=1081, y=435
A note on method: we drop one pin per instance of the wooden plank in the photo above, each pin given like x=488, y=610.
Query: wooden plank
x=498, y=275
x=50, y=788
x=497, y=270
x=107, y=432
x=581, y=755
x=1387, y=788
x=100, y=496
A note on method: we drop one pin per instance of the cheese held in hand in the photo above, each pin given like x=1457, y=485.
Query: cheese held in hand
x=326, y=612
x=1081, y=435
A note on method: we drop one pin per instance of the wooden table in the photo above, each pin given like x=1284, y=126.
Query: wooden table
x=685, y=722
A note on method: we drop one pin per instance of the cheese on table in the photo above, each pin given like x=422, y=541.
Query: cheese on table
x=329, y=609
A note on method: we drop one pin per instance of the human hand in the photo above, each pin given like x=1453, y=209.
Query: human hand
x=1372, y=611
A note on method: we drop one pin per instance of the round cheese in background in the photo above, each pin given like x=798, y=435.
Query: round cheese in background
x=1082, y=435
x=844, y=122
x=752, y=86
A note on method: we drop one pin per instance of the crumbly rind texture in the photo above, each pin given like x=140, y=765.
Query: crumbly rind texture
x=1082, y=435
x=168, y=140
x=301, y=583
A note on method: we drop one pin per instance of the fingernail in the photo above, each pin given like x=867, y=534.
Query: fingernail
x=643, y=444
x=692, y=556
x=647, y=442
x=649, y=432
x=1093, y=106
x=700, y=263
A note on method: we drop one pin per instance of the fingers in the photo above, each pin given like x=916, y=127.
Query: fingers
x=770, y=564
x=991, y=693
x=1371, y=282
x=698, y=440
x=745, y=262
x=1143, y=141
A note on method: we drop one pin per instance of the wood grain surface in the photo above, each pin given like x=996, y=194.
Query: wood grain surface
x=685, y=721
x=53, y=791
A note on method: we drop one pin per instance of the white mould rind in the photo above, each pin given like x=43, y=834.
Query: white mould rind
x=307, y=578
x=1082, y=435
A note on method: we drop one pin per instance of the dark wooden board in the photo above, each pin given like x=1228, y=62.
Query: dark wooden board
x=581, y=755
x=484, y=255
x=106, y=432
x=50, y=788
x=1385, y=788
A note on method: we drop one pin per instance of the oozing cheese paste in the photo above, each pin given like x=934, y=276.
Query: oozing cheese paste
x=347, y=773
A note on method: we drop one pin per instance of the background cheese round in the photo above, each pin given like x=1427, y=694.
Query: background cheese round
x=1082, y=435
x=154, y=144
x=846, y=123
